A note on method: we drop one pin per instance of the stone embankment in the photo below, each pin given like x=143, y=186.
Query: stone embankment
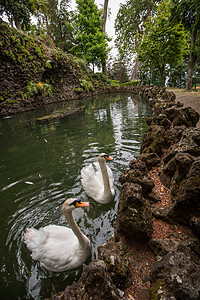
x=155, y=250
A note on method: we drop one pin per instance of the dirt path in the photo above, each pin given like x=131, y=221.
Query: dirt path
x=188, y=98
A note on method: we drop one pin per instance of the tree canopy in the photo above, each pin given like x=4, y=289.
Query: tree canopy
x=188, y=12
x=130, y=26
x=154, y=38
x=164, y=43
x=17, y=12
x=90, y=40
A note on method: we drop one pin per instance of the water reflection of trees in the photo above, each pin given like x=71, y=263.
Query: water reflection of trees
x=51, y=157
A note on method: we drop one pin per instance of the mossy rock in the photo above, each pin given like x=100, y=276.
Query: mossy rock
x=70, y=114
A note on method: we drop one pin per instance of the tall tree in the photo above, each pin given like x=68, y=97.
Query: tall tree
x=40, y=10
x=177, y=74
x=188, y=11
x=130, y=27
x=61, y=23
x=165, y=43
x=90, y=40
x=105, y=13
x=118, y=70
x=17, y=12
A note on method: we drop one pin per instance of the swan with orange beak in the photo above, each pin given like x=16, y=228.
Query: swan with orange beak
x=97, y=180
x=59, y=248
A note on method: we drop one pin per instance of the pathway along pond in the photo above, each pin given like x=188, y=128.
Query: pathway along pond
x=40, y=167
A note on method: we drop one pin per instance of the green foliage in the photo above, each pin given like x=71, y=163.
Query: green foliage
x=86, y=85
x=118, y=70
x=188, y=12
x=74, y=62
x=60, y=55
x=130, y=24
x=177, y=75
x=164, y=43
x=90, y=40
x=131, y=83
x=78, y=90
x=101, y=77
x=54, y=21
x=81, y=63
x=149, y=74
x=38, y=88
x=22, y=49
x=114, y=83
x=19, y=11
x=61, y=27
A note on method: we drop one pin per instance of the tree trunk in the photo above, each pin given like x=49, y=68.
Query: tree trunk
x=135, y=70
x=162, y=77
x=105, y=12
x=137, y=63
x=11, y=21
x=17, y=23
x=191, y=63
x=47, y=24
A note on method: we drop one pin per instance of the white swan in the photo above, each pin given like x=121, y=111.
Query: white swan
x=60, y=248
x=97, y=180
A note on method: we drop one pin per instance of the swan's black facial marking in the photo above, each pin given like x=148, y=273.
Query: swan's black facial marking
x=75, y=202
x=106, y=156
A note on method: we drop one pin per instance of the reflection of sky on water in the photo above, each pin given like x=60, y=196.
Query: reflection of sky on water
x=40, y=167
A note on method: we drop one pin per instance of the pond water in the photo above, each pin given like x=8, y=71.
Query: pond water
x=40, y=167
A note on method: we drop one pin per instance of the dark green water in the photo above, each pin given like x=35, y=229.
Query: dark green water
x=40, y=167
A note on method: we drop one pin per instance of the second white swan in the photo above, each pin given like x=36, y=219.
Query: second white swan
x=97, y=180
x=59, y=248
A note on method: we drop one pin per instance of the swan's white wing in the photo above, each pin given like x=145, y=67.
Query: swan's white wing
x=56, y=247
x=92, y=181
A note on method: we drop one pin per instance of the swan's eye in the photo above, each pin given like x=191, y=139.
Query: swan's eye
x=74, y=202
x=108, y=157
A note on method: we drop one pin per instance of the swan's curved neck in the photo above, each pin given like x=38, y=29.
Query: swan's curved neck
x=106, y=181
x=74, y=227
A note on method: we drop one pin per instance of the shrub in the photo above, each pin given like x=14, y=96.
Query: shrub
x=33, y=88
x=78, y=90
x=114, y=83
x=86, y=85
x=135, y=82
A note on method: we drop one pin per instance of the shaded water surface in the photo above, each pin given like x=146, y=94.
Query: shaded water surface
x=40, y=167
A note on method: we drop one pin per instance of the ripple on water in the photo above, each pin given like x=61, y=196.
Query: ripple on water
x=41, y=166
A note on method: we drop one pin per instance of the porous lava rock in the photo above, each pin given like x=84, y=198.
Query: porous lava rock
x=153, y=140
x=170, y=144
x=185, y=193
x=134, y=218
x=115, y=257
x=95, y=283
x=177, y=273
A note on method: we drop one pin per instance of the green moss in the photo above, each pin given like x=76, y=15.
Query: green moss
x=154, y=290
x=114, y=83
x=33, y=61
x=22, y=48
x=135, y=82
x=78, y=90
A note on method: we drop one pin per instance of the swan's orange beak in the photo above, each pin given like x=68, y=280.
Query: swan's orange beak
x=108, y=157
x=82, y=204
